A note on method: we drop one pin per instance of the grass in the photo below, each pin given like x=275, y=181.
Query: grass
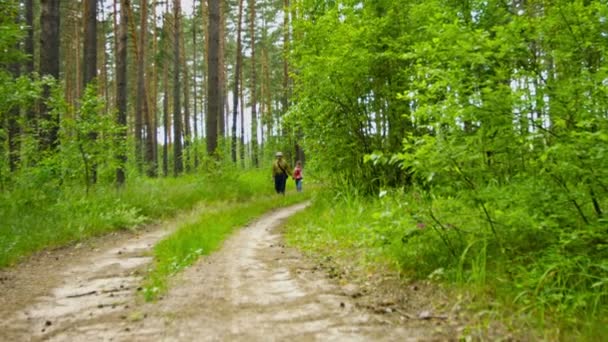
x=555, y=292
x=205, y=235
x=33, y=218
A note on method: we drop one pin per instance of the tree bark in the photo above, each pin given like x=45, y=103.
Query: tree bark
x=214, y=107
x=142, y=114
x=242, y=97
x=13, y=115
x=29, y=38
x=237, y=73
x=49, y=66
x=121, y=91
x=90, y=42
x=194, y=90
x=221, y=69
x=254, y=117
x=89, y=72
x=140, y=100
x=186, y=126
x=178, y=163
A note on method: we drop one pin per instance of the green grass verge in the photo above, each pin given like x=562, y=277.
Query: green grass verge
x=205, y=235
x=545, y=293
x=36, y=217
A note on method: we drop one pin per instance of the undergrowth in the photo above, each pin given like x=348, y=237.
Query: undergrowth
x=204, y=236
x=37, y=216
x=541, y=282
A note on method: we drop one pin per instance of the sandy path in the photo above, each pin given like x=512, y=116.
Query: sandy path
x=253, y=289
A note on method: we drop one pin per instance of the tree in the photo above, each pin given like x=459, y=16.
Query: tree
x=151, y=92
x=214, y=102
x=178, y=163
x=142, y=113
x=121, y=90
x=90, y=60
x=141, y=106
x=237, y=74
x=90, y=42
x=253, y=86
x=49, y=65
x=14, y=69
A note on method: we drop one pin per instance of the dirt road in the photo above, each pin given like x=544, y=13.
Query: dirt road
x=253, y=289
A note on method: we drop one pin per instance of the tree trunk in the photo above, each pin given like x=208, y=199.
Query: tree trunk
x=214, y=107
x=140, y=100
x=254, y=117
x=13, y=118
x=103, y=78
x=49, y=65
x=178, y=163
x=286, y=93
x=221, y=69
x=237, y=73
x=151, y=121
x=89, y=72
x=142, y=114
x=90, y=41
x=29, y=50
x=29, y=38
x=194, y=92
x=242, y=97
x=121, y=90
x=186, y=126
x=205, y=62
x=165, y=53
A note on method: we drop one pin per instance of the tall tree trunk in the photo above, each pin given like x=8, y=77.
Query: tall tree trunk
x=13, y=118
x=237, y=73
x=254, y=116
x=29, y=38
x=14, y=144
x=221, y=62
x=165, y=119
x=78, y=69
x=286, y=93
x=49, y=65
x=186, y=126
x=90, y=42
x=178, y=163
x=165, y=53
x=214, y=107
x=151, y=123
x=103, y=78
x=242, y=97
x=29, y=50
x=140, y=100
x=89, y=73
x=121, y=90
x=194, y=92
x=142, y=116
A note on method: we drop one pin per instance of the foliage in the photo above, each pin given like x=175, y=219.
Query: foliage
x=501, y=129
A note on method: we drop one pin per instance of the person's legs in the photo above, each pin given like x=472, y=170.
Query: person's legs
x=277, y=183
x=283, y=183
x=299, y=185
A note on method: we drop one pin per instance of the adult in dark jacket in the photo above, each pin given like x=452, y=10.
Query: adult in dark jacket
x=280, y=172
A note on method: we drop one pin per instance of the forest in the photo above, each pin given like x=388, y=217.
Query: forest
x=462, y=143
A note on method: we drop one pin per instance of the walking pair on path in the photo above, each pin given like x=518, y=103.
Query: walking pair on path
x=281, y=171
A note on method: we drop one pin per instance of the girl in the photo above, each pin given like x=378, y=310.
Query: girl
x=297, y=175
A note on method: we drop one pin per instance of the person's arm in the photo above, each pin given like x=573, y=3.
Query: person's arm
x=288, y=170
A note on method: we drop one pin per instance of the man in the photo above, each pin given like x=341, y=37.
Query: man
x=280, y=171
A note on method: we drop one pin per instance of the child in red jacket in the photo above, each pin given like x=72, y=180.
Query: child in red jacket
x=297, y=175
